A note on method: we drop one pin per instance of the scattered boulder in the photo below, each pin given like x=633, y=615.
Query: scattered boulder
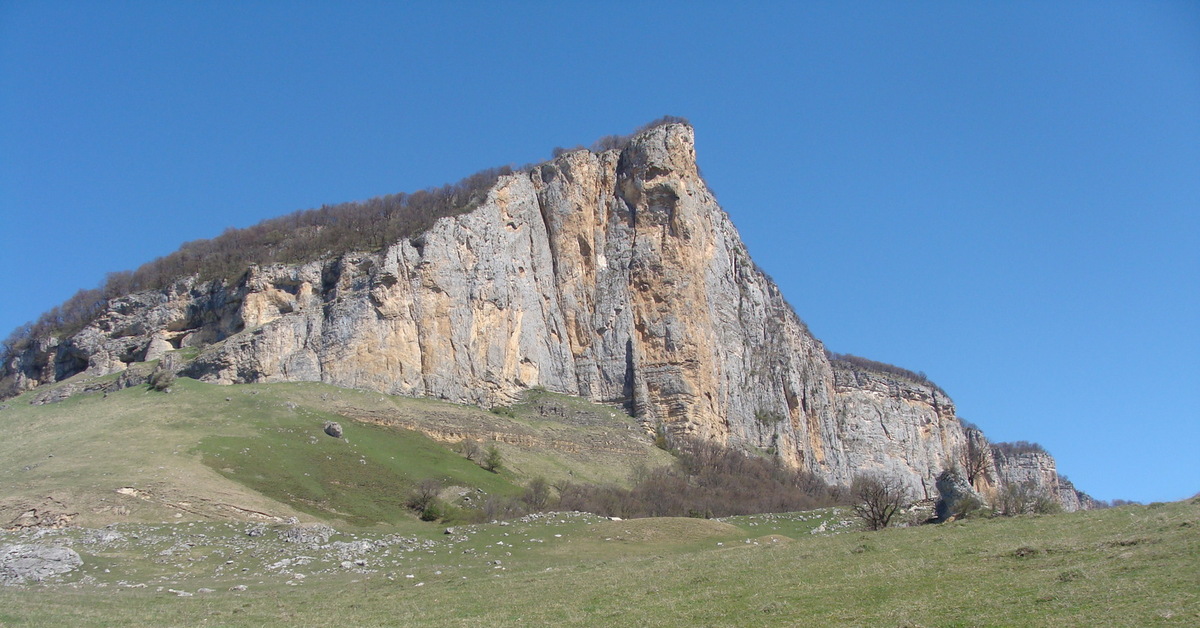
x=34, y=563
x=157, y=347
x=316, y=534
x=333, y=429
x=102, y=537
x=956, y=497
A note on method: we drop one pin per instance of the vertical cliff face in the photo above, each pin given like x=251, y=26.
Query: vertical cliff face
x=614, y=276
x=898, y=425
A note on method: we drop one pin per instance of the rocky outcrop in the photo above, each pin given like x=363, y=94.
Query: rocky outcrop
x=1036, y=469
x=614, y=276
x=895, y=425
x=21, y=564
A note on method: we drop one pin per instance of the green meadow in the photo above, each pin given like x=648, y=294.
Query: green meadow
x=1130, y=566
x=184, y=507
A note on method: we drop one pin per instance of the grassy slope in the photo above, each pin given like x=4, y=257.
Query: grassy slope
x=212, y=452
x=1132, y=566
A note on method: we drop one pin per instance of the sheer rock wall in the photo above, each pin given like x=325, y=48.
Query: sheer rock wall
x=614, y=276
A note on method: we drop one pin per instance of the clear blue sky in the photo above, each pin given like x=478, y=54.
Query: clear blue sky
x=1002, y=195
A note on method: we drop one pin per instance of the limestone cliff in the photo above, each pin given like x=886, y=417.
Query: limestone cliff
x=1036, y=469
x=614, y=276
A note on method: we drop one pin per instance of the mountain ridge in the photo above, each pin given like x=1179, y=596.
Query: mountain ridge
x=612, y=275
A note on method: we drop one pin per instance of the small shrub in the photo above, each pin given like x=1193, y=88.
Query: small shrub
x=1044, y=504
x=610, y=142
x=767, y=417
x=1017, y=448
x=969, y=506
x=470, y=449
x=1025, y=499
x=424, y=497
x=559, y=151
x=433, y=512
x=537, y=494
x=492, y=459
x=663, y=121
x=162, y=380
x=498, y=509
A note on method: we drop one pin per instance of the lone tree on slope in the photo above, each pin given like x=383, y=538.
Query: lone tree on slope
x=877, y=498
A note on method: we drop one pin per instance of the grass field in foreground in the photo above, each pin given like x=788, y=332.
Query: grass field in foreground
x=1129, y=566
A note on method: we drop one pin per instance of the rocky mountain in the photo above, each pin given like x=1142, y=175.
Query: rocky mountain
x=612, y=275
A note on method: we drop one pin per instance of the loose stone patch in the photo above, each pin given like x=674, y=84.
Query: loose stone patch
x=20, y=564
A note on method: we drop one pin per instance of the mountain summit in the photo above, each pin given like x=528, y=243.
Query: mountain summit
x=612, y=275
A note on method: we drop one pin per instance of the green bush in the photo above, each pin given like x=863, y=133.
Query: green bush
x=424, y=499
x=969, y=506
x=492, y=459
x=433, y=511
x=767, y=417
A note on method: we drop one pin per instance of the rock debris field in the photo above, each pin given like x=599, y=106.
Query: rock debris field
x=188, y=559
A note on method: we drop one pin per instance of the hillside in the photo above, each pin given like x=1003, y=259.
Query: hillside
x=204, y=452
